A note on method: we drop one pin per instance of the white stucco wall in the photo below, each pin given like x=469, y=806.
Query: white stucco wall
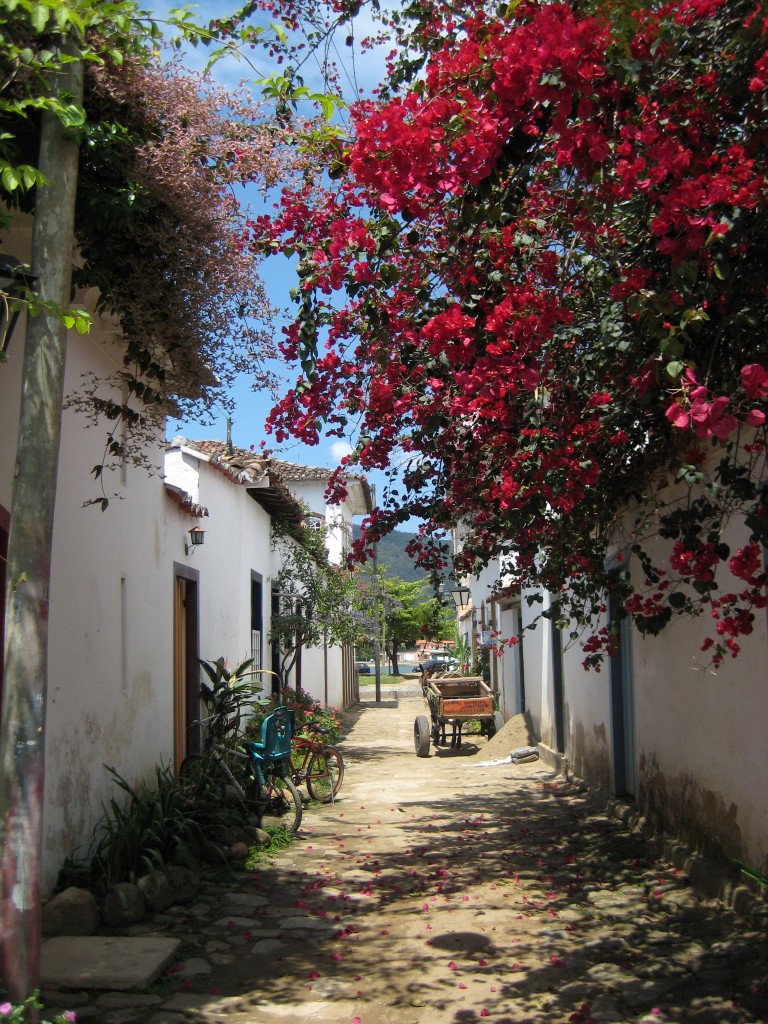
x=237, y=544
x=536, y=652
x=588, y=728
x=338, y=521
x=701, y=736
x=509, y=663
x=110, y=673
x=698, y=738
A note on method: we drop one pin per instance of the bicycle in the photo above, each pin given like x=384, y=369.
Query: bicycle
x=318, y=764
x=260, y=781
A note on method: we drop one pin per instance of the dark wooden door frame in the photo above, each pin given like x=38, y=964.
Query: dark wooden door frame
x=187, y=674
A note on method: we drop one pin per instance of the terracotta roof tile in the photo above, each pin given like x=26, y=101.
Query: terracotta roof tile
x=247, y=466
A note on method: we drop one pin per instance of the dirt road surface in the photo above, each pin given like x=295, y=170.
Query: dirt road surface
x=441, y=891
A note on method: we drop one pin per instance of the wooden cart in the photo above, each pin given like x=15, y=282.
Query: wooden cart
x=453, y=700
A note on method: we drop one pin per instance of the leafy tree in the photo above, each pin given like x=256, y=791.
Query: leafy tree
x=536, y=268
x=405, y=613
x=313, y=597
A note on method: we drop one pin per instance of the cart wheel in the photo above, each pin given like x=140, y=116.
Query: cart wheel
x=421, y=736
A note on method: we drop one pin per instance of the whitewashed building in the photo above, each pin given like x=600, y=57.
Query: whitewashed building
x=133, y=602
x=238, y=567
x=681, y=744
x=111, y=656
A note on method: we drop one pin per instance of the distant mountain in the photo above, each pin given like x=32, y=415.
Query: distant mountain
x=391, y=553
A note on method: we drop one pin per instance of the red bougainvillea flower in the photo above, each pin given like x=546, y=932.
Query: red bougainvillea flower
x=534, y=279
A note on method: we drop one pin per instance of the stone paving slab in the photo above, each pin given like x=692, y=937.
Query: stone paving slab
x=105, y=962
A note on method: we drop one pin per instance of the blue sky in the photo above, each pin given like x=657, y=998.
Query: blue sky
x=252, y=408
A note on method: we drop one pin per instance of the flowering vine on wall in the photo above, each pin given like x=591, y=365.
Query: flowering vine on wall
x=536, y=273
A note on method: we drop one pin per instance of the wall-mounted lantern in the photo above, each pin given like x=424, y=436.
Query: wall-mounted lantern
x=197, y=537
x=461, y=596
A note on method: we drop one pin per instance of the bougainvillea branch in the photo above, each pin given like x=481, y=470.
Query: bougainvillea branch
x=536, y=278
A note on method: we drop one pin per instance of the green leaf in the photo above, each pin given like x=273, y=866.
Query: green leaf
x=279, y=31
x=39, y=17
x=10, y=178
x=327, y=104
x=72, y=116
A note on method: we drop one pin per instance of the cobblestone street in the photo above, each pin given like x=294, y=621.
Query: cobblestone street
x=441, y=891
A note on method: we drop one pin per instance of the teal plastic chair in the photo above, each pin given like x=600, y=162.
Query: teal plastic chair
x=277, y=732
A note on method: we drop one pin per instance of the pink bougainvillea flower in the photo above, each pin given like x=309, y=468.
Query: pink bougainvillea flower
x=453, y=966
x=313, y=974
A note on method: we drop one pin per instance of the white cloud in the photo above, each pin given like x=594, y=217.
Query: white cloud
x=339, y=449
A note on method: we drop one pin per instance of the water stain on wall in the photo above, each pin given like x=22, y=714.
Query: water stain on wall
x=590, y=756
x=680, y=806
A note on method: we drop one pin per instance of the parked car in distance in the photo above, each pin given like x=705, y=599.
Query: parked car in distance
x=363, y=668
x=437, y=665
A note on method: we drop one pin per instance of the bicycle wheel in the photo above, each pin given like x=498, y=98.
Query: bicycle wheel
x=325, y=774
x=299, y=763
x=280, y=800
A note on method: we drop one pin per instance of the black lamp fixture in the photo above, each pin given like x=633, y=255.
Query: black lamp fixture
x=461, y=595
x=15, y=281
x=197, y=536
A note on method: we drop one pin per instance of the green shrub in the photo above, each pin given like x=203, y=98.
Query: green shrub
x=307, y=710
x=140, y=834
x=279, y=838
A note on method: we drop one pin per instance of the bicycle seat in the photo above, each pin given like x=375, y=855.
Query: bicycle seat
x=276, y=733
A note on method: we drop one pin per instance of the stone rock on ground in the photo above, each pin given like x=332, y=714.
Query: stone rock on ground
x=123, y=905
x=185, y=883
x=157, y=891
x=72, y=912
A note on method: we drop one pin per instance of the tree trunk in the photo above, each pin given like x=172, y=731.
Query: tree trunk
x=22, y=734
x=395, y=653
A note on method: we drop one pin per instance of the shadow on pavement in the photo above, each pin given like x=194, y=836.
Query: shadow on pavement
x=529, y=897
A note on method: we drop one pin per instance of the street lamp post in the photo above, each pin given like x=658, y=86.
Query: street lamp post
x=376, y=639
